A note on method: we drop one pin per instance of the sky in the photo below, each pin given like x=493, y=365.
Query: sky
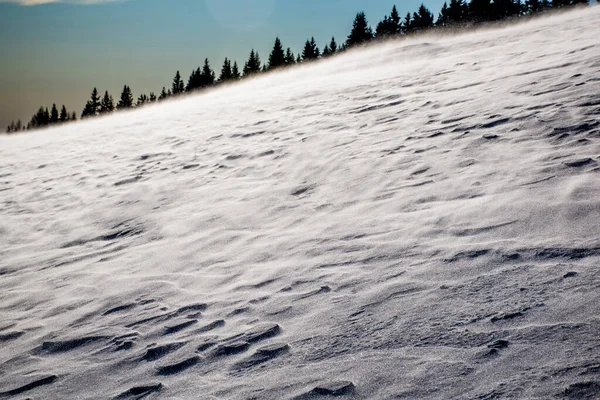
x=58, y=51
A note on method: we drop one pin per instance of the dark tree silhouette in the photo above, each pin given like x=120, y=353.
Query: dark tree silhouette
x=252, y=66
x=333, y=46
x=326, y=51
x=142, y=99
x=502, y=9
x=390, y=26
x=64, y=115
x=126, y=100
x=311, y=51
x=92, y=107
x=361, y=31
x=108, y=103
x=277, y=56
x=53, y=114
x=194, y=80
x=163, y=94
x=177, y=87
x=207, y=76
x=152, y=97
x=289, y=57
x=406, y=26
x=422, y=19
x=226, y=72
x=235, y=72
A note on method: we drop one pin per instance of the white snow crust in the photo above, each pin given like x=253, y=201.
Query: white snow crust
x=413, y=220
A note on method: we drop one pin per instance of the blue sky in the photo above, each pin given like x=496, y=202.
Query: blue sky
x=57, y=52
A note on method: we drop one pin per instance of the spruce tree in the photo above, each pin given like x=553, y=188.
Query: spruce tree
x=235, y=72
x=311, y=51
x=108, y=103
x=142, y=99
x=53, y=114
x=407, y=24
x=207, y=76
x=422, y=19
x=226, y=73
x=277, y=56
x=333, y=46
x=73, y=117
x=480, y=10
x=252, y=66
x=193, y=81
x=361, y=31
x=126, y=100
x=163, y=94
x=326, y=51
x=289, y=57
x=177, y=87
x=92, y=107
x=152, y=97
x=64, y=115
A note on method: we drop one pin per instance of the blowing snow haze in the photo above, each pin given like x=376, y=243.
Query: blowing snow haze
x=413, y=220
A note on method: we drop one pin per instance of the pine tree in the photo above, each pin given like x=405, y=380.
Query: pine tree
x=126, y=100
x=235, y=72
x=92, y=107
x=289, y=57
x=142, y=99
x=73, y=117
x=177, y=87
x=311, y=51
x=207, y=76
x=193, y=80
x=407, y=24
x=361, y=31
x=252, y=66
x=333, y=47
x=277, y=56
x=108, y=103
x=64, y=115
x=163, y=94
x=226, y=73
x=422, y=19
x=326, y=51
x=152, y=97
x=299, y=59
x=53, y=115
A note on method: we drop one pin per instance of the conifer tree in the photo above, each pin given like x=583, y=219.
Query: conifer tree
x=53, y=114
x=407, y=24
x=64, y=115
x=193, y=80
x=108, y=104
x=311, y=51
x=299, y=59
x=92, y=107
x=163, y=94
x=207, y=76
x=152, y=97
x=361, y=31
x=226, y=73
x=422, y=19
x=126, y=100
x=177, y=87
x=252, y=66
x=326, y=51
x=235, y=72
x=289, y=57
x=333, y=46
x=277, y=56
x=73, y=117
x=142, y=99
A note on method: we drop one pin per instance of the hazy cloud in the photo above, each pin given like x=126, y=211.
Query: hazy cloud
x=37, y=2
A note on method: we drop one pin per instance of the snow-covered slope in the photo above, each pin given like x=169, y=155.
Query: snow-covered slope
x=416, y=220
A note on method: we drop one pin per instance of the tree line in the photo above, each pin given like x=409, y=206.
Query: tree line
x=455, y=13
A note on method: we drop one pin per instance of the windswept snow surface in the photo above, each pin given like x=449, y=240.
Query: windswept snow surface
x=415, y=220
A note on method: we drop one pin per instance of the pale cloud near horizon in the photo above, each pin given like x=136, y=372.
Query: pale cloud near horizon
x=38, y=2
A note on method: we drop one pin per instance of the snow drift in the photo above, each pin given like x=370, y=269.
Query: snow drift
x=414, y=220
